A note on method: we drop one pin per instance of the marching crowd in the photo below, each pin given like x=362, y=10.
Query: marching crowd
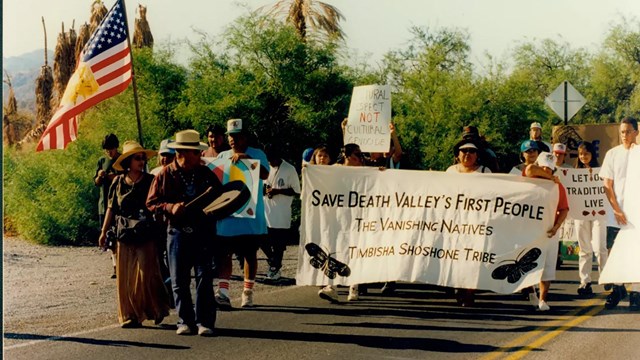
x=158, y=235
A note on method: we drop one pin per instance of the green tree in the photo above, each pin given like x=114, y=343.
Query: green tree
x=433, y=95
x=289, y=92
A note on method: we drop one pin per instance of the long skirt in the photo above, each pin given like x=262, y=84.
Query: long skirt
x=142, y=294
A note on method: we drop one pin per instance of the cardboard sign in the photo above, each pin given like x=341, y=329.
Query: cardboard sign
x=369, y=118
x=603, y=137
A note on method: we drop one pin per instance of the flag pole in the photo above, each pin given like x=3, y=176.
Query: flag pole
x=133, y=77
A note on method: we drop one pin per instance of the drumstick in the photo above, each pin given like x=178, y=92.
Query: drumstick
x=199, y=197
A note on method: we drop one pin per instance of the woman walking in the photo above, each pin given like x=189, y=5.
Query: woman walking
x=141, y=291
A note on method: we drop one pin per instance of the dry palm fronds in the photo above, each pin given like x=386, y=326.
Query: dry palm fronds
x=83, y=36
x=61, y=62
x=9, y=110
x=44, y=87
x=33, y=134
x=8, y=132
x=98, y=12
x=142, y=36
x=12, y=104
x=72, y=38
x=306, y=15
x=44, y=92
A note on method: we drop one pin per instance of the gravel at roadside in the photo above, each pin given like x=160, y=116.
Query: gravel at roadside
x=53, y=291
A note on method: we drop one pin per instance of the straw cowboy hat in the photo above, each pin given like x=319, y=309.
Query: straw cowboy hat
x=129, y=148
x=188, y=139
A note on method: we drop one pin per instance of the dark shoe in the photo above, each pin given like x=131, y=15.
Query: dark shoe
x=585, y=290
x=608, y=287
x=131, y=324
x=465, y=297
x=113, y=276
x=622, y=290
x=614, y=298
x=388, y=288
x=634, y=301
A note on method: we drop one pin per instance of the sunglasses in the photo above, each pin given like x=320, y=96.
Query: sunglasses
x=140, y=158
x=468, y=151
x=359, y=155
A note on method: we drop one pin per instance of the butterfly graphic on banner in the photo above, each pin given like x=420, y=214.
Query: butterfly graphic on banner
x=323, y=261
x=247, y=171
x=521, y=266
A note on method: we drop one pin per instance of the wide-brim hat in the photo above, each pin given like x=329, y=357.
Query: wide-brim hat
x=466, y=144
x=130, y=148
x=189, y=140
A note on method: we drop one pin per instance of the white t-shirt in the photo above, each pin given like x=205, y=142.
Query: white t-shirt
x=278, y=209
x=481, y=169
x=614, y=167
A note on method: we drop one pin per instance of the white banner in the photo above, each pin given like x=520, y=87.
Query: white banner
x=623, y=265
x=475, y=231
x=585, y=192
x=369, y=118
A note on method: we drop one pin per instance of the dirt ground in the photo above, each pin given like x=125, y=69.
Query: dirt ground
x=52, y=291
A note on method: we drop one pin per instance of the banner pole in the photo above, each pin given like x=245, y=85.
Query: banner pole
x=133, y=77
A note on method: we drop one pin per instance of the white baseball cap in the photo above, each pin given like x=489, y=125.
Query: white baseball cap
x=560, y=148
x=546, y=159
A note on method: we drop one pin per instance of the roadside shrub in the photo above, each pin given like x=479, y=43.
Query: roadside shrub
x=49, y=196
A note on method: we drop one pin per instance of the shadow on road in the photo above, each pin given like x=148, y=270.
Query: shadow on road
x=88, y=341
x=382, y=342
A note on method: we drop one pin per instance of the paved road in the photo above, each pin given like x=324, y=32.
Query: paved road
x=418, y=322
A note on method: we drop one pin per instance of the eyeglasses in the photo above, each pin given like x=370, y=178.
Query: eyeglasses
x=140, y=158
x=468, y=151
x=359, y=155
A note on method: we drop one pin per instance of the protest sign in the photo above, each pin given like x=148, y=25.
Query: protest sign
x=362, y=225
x=369, y=118
x=585, y=193
x=623, y=265
x=602, y=136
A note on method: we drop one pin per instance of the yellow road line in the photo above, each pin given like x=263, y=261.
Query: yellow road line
x=564, y=323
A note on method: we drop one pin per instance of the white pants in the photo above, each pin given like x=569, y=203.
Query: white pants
x=592, y=239
x=549, y=271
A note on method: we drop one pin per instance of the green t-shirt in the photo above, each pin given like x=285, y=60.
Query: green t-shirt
x=105, y=163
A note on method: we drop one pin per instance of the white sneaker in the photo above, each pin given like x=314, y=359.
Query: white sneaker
x=542, y=306
x=533, y=298
x=247, y=298
x=274, y=275
x=224, y=304
x=204, y=331
x=183, y=329
x=353, y=293
x=329, y=293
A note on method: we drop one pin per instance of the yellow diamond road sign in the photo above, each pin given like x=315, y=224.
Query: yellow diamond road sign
x=565, y=101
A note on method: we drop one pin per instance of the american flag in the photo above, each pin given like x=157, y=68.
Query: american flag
x=103, y=71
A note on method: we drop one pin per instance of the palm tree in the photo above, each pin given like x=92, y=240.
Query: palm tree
x=310, y=15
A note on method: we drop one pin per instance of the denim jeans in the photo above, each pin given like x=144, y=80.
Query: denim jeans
x=188, y=251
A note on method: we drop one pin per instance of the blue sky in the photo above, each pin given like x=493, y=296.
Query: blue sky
x=373, y=27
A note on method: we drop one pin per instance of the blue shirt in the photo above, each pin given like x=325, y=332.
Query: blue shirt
x=233, y=226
